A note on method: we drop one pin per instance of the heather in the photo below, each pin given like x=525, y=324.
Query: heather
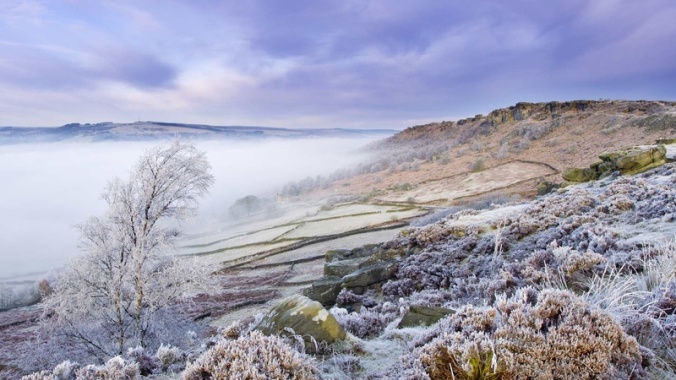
x=576, y=284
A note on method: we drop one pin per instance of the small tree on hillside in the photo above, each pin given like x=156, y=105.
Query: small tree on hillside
x=112, y=298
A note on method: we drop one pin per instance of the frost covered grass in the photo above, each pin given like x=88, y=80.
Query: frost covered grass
x=556, y=288
x=588, y=279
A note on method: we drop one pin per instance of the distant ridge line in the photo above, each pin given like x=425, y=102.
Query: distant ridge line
x=156, y=130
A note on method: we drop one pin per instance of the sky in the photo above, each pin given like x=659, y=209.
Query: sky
x=323, y=64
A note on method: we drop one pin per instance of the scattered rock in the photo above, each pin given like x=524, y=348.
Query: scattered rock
x=546, y=187
x=325, y=290
x=304, y=317
x=356, y=269
x=372, y=274
x=423, y=316
x=347, y=254
x=343, y=267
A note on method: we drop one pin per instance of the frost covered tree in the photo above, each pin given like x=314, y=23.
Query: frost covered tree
x=116, y=295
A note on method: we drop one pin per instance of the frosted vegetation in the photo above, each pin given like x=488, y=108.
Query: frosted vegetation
x=578, y=284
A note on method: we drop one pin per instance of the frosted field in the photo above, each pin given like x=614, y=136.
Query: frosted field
x=341, y=219
x=237, y=254
x=468, y=184
x=352, y=209
x=345, y=224
x=319, y=249
x=267, y=235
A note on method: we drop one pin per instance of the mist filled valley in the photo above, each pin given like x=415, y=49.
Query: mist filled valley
x=49, y=188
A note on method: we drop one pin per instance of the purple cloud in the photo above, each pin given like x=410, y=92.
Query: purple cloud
x=338, y=62
x=134, y=68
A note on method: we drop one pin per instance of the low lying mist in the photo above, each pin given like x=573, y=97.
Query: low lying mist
x=49, y=188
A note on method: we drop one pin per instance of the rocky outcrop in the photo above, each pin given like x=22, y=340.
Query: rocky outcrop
x=302, y=316
x=522, y=111
x=638, y=160
x=626, y=161
x=356, y=270
x=579, y=174
x=370, y=275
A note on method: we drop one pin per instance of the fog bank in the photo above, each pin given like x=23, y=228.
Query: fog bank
x=49, y=188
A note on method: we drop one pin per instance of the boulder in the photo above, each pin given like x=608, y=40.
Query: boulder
x=391, y=253
x=604, y=169
x=638, y=160
x=423, y=316
x=371, y=274
x=325, y=290
x=304, y=317
x=627, y=161
x=579, y=174
x=666, y=141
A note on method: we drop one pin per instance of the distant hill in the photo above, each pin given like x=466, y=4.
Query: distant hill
x=152, y=130
x=553, y=135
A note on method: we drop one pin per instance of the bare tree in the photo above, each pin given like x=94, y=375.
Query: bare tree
x=111, y=298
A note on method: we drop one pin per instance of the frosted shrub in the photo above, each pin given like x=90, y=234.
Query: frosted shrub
x=168, y=356
x=114, y=369
x=42, y=375
x=18, y=296
x=255, y=356
x=146, y=363
x=367, y=323
x=551, y=335
x=64, y=371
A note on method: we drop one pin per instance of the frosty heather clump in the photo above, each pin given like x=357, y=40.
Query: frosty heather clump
x=114, y=369
x=368, y=322
x=255, y=356
x=548, y=335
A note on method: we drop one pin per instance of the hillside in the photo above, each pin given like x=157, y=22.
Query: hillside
x=552, y=135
